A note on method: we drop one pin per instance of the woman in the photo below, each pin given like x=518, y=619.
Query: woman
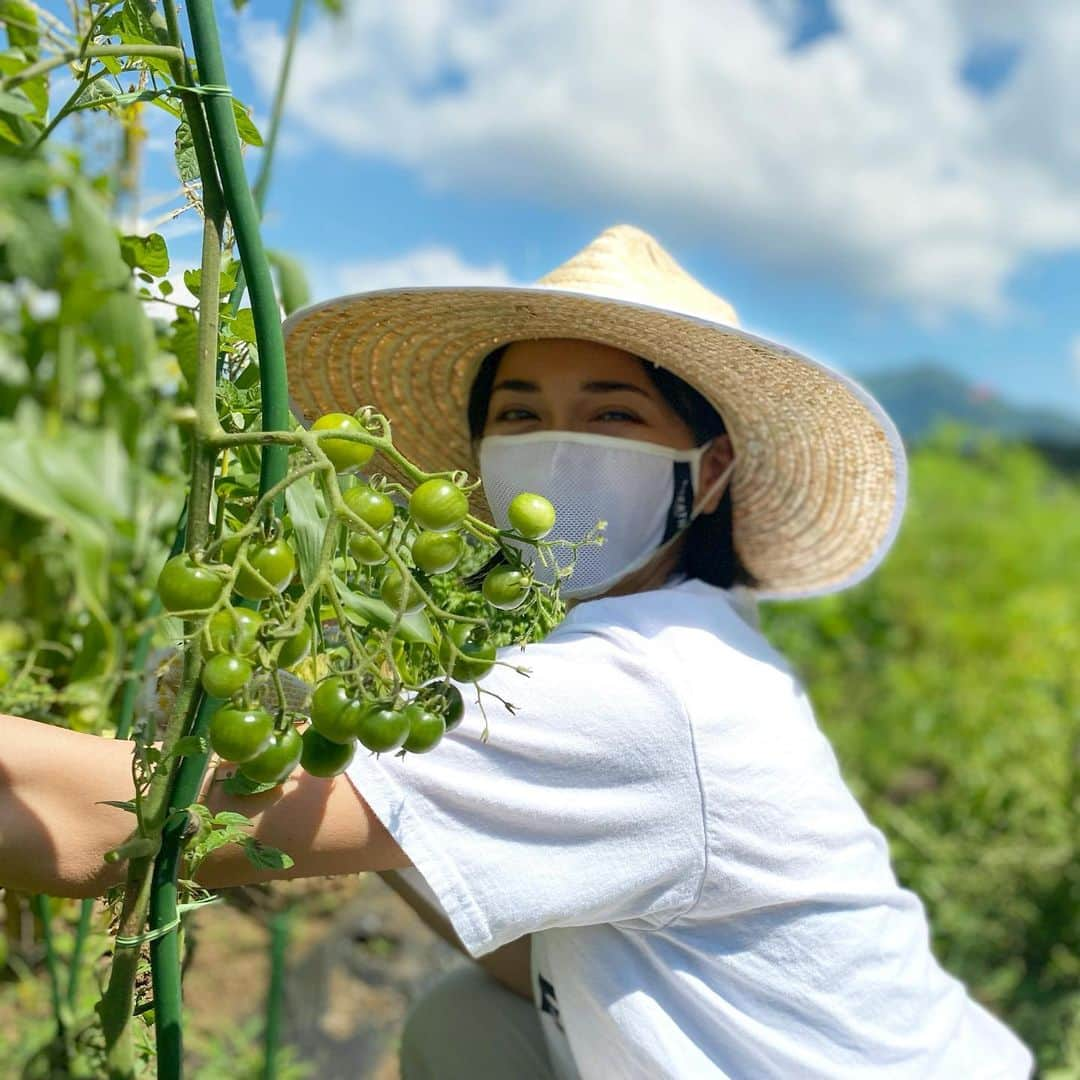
x=661, y=820
x=657, y=849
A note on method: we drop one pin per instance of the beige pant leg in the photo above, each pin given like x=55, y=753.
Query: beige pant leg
x=469, y=1027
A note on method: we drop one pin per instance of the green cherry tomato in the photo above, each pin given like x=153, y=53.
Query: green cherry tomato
x=445, y=699
x=295, y=648
x=437, y=552
x=531, y=516
x=368, y=550
x=372, y=507
x=426, y=729
x=392, y=592
x=238, y=734
x=224, y=674
x=274, y=562
x=506, y=587
x=382, y=729
x=323, y=758
x=235, y=630
x=438, y=505
x=331, y=713
x=342, y=726
x=479, y=653
x=344, y=455
x=278, y=760
x=185, y=585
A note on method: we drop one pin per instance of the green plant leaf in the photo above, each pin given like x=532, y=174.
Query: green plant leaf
x=187, y=163
x=15, y=103
x=184, y=342
x=140, y=21
x=243, y=326
x=21, y=22
x=365, y=611
x=239, y=784
x=245, y=126
x=97, y=236
x=308, y=517
x=264, y=856
x=120, y=323
x=148, y=253
x=189, y=745
x=292, y=281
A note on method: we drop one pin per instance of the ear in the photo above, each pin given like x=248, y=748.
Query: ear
x=713, y=463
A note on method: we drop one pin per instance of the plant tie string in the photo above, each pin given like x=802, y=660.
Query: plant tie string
x=201, y=89
x=133, y=940
x=206, y=89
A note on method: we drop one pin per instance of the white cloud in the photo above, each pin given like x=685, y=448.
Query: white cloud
x=863, y=159
x=432, y=265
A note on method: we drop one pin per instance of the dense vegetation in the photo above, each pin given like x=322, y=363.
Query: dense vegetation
x=949, y=686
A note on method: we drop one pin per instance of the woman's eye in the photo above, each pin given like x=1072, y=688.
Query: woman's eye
x=510, y=415
x=619, y=416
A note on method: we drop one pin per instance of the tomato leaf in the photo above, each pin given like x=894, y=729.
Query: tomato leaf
x=243, y=325
x=99, y=240
x=146, y=253
x=239, y=784
x=292, y=281
x=229, y=817
x=189, y=745
x=366, y=611
x=140, y=21
x=187, y=164
x=308, y=522
x=245, y=126
x=20, y=21
x=15, y=102
x=264, y=856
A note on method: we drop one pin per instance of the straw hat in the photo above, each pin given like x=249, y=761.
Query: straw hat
x=820, y=483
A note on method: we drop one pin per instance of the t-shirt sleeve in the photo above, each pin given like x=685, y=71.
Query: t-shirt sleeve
x=584, y=806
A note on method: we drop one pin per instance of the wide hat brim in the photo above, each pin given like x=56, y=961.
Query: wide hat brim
x=819, y=488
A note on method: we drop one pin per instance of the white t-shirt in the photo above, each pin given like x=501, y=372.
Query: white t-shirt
x=705, y=896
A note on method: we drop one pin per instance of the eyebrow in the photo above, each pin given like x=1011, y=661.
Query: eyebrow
x=601, y=386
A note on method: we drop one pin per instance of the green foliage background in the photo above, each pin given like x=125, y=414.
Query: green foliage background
x=949, y=685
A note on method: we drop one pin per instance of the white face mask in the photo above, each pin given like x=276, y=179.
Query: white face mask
x=647, y=494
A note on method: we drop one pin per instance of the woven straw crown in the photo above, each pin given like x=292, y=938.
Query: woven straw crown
x=820, y=484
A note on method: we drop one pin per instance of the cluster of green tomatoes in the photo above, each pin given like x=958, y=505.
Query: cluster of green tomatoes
x=358, y=704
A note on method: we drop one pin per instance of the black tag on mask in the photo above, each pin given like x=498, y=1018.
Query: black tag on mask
x=682, y=502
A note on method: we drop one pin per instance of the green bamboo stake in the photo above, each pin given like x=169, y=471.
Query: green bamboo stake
x=117, y=1003
x=245, y=219
x=280, y=926
x=165, y=953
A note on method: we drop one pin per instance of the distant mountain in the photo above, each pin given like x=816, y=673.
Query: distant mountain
x=920, y=397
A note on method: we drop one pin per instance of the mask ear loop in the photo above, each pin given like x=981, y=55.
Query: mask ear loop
x=717, y=485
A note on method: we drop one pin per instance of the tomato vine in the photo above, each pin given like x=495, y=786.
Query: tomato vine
x=287, y=569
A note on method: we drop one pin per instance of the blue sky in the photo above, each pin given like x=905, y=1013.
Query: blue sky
x=872, y=186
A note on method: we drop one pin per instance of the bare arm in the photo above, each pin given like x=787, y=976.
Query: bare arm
x=54, y=830
x=510, y=965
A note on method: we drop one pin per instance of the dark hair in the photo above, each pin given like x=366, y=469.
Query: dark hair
x=709, y=552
